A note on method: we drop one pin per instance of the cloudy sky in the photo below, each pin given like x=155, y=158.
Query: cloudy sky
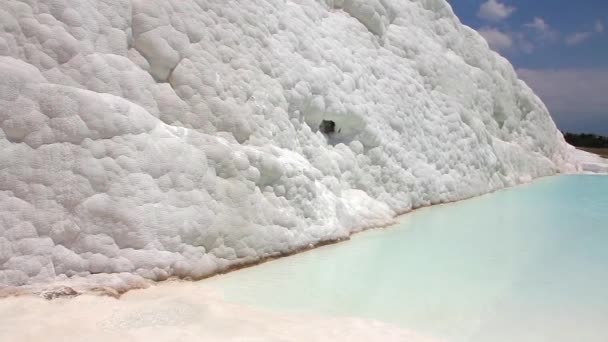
x=559, y=47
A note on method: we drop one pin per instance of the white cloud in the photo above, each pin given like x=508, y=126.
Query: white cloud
x=577, y=38
x=497, y=40
x=538, y=24
x=570, y=90
x=580, y=37
x=543, y=30
x=522, y=43
x=511, y=42
x=493, y=10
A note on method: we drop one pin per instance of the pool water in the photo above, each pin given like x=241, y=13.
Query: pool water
x=524, y=264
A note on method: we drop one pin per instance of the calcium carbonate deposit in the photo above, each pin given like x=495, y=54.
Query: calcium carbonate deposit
x=144, y=139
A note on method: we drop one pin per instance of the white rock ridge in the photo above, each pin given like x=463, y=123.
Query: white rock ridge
x=143, y=139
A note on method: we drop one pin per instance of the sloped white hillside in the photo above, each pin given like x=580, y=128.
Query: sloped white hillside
x=152, y=138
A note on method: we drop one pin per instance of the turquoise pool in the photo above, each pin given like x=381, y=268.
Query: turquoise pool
x=523, y=264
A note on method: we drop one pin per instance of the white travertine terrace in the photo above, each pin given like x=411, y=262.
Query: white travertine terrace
x=144, y=139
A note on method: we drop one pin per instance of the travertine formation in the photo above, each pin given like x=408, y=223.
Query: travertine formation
x=143, y=139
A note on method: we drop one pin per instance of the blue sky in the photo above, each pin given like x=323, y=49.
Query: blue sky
x=559, y=47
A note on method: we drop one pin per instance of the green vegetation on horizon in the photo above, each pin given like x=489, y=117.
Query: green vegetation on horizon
x=586, y=140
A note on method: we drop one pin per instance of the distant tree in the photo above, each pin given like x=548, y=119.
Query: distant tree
x=586, y=140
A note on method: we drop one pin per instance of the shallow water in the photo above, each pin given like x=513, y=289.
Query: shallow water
x=523, y=264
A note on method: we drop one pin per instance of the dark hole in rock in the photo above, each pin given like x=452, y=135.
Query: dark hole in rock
x=327, y=127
